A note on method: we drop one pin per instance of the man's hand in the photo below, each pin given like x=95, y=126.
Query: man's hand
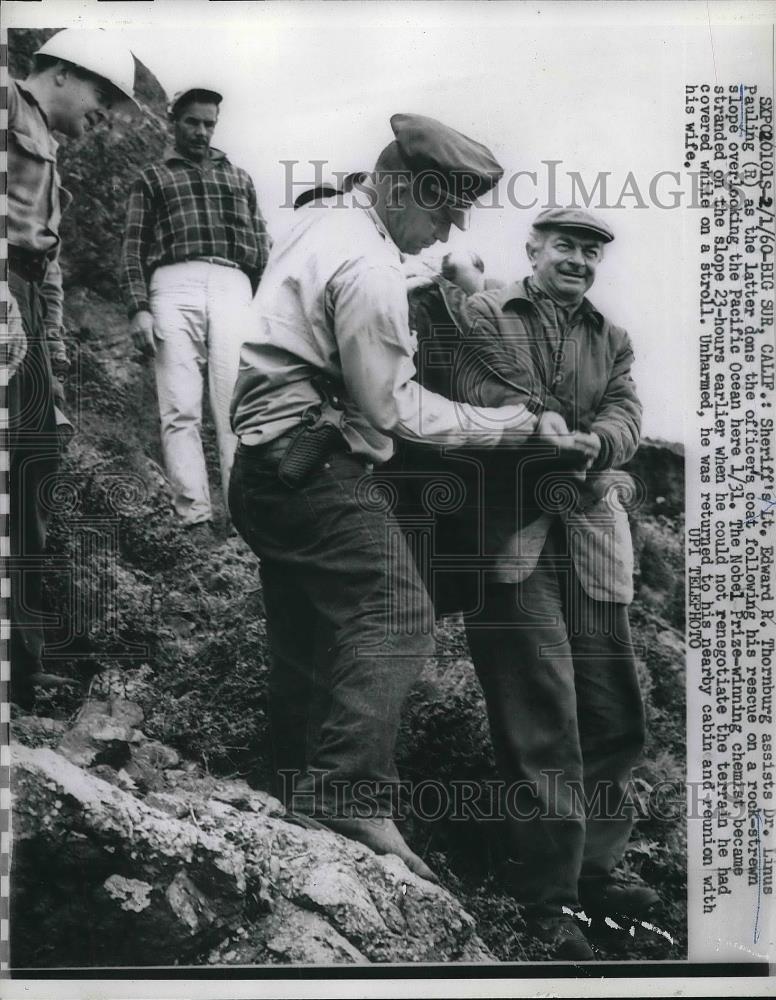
x=65, y=429
x=13, y=341
x=552, y=429
x=60, y=363
x=141, y=329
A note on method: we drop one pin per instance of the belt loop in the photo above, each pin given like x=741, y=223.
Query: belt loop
x=220, y=261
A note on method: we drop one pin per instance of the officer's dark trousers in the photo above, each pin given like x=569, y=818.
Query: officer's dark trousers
x=34, y=458
x=566, y=715
x=349, y=624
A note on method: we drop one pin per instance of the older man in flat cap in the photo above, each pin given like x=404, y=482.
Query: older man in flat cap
x=544, y=568
x=326, y=383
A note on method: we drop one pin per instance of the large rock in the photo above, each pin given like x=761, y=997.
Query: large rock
x=206, y=871
x=103, y=733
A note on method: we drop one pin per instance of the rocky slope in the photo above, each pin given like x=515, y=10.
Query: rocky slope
x=126, y=855
x=177, y=630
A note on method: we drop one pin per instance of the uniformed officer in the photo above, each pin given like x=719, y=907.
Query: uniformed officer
x=331, y=360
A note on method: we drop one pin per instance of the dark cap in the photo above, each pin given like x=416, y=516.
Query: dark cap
x=315, y=194
x=204, y=94
x=573, y=218
x=455, y=170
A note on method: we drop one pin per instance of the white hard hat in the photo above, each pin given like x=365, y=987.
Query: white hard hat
x=97, y=51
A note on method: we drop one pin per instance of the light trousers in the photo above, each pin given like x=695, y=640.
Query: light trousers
x=200, y=312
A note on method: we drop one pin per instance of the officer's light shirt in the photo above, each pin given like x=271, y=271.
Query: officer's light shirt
x=333, y=301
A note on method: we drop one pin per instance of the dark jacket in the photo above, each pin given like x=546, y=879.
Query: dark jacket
x=497, y=507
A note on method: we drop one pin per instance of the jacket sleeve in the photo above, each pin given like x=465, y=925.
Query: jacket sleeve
x=376, y=349
x=138, y=234
x=494, y=363
x=51, y=292
x=618, y=418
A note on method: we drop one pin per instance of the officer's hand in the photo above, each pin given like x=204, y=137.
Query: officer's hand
x=417, y=274
x=141, y=328
x=590, y=445
x=552, y=429
x=13, y=340
x=518, y=425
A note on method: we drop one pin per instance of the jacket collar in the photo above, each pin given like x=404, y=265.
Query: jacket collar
x=379, y=225
x=30, y=98
x=171, y=155
x=517, y=295
x=361, y=183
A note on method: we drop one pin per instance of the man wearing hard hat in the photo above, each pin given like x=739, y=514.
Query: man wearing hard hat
x=195, y=247
x=78, y=77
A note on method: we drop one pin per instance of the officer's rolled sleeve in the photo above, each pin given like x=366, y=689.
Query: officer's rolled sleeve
x=53, y=297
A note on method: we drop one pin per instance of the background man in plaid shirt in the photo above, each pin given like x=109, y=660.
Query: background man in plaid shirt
x=194, y=249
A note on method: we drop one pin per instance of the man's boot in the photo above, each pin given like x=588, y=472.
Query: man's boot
x=381, y=835
x=610, y=897
x=563, y=935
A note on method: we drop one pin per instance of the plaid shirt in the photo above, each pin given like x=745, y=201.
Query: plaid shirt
x=179, y=211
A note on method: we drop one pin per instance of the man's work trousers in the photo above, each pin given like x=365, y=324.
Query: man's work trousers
x=566, y=715
x=33, y=462
x=350, y=627
x=200, y=314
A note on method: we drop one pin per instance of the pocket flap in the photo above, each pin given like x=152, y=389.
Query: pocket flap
x=31, y=146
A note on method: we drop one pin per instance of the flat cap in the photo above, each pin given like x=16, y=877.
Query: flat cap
x=455, y=169
x=573, y=218
x=206, y=94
